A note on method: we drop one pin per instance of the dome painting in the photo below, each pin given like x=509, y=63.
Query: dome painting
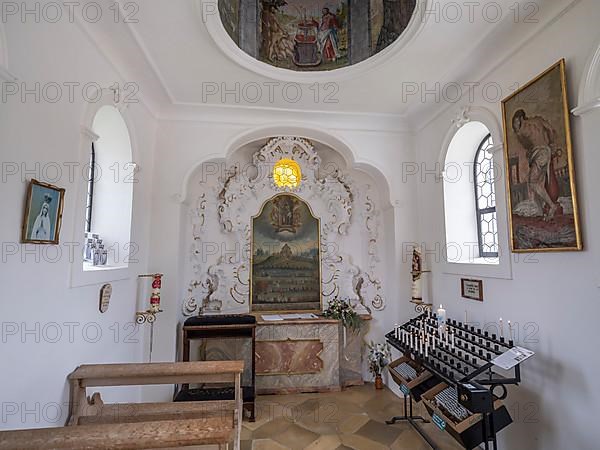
x=314, y=35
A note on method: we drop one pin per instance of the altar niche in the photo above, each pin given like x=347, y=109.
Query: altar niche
x=285, y=264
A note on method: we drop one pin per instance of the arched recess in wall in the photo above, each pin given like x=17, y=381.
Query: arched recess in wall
x=107, y=127
x=223, y=193
x=456, y=167
x=589, y=87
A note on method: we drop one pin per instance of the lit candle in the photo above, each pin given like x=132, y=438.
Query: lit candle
x=433, y=346
x=441, y=317
x=501, y=328
x=426, y=350
x=452, y=341
x=510, y=334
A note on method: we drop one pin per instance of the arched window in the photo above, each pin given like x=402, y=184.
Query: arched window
x=109, y=193
x=485, y=200
x=469, y=197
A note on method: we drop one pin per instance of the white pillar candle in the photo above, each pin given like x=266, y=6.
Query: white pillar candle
x=501, y=328
x=452, y=341
x=441, y=317
x=396, y=331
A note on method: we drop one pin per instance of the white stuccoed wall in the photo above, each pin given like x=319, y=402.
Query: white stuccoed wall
x=36, y=293
x=553, y=297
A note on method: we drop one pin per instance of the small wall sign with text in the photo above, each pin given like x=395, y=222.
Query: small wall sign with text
x=472, y=289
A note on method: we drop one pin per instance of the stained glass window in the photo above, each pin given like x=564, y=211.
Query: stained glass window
x=286, y=174
x=485, y=200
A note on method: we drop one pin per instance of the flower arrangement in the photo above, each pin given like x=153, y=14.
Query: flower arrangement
x=379, y=357
x=341, y=310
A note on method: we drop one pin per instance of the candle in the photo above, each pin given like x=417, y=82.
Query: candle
x=396, y=331
x=466, y=318
x=452, y=341
x=441, y=317
x=433, y=346
x=501, y=328
x=426, y=350
x=510, y=334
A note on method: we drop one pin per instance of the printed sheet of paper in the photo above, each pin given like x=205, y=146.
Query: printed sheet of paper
x=512, y=357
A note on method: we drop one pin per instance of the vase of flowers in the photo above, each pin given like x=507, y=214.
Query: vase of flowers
x=379, y=358
x=341, y=310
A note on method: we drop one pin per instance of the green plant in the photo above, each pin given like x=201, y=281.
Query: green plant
x=379, y=357
x=341, y=310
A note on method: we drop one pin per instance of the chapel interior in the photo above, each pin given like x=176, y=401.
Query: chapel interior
x=299, y=224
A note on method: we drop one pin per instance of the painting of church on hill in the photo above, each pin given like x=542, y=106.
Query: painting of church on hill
x=285, y=269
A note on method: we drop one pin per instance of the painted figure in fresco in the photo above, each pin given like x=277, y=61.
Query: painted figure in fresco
x=538, y=137
x=41, y=226
x=277, y=44
x=328, y=36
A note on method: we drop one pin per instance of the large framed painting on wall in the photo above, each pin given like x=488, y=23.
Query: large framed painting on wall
x=540, y=173
x=285, y=257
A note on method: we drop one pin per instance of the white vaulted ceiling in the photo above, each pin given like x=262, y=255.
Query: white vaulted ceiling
x=177, y=63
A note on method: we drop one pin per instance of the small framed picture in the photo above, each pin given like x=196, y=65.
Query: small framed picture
x=43, y=214
x=472, y=289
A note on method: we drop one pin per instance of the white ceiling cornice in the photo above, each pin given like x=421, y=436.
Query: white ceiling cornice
x=247, y=116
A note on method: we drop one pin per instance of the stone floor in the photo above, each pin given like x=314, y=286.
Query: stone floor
x=352, y=419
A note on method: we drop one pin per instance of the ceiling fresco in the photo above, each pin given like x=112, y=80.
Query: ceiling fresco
x=314, y=35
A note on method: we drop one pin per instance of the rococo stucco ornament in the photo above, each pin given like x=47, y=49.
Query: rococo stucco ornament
x=224, y=285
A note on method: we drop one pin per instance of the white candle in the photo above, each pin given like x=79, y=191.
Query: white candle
x=441, y=313
x=501, y=328
x=396, y=331
x=452, y=341
x=510, y=335
x=466, y=318
x=433, y=346
x=426, y=350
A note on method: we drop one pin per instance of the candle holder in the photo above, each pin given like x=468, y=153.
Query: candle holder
x=150, y=314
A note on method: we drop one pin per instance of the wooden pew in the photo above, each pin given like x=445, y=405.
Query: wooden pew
x=96, y=425
x=121, y=436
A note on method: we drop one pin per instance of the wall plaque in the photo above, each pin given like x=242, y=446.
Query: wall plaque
x=472, y=289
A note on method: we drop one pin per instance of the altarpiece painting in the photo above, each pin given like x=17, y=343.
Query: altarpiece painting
x=286, y=263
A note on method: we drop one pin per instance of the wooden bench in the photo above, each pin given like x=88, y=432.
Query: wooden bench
x=95, y=425
x=121, y=436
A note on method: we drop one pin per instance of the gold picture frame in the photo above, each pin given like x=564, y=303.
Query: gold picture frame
x=47, y=201
x=253, y=307
x=539, y=169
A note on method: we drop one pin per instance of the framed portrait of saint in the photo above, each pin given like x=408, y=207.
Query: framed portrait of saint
x=540, y=174
x=43, y=214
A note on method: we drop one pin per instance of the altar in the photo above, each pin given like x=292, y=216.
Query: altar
x=295, y=356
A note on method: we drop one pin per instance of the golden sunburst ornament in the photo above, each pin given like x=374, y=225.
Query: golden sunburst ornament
x=287, y=174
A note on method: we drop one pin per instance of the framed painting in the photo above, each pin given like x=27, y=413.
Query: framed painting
x=285, y=269
x=540, y=175
x=43, y=214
